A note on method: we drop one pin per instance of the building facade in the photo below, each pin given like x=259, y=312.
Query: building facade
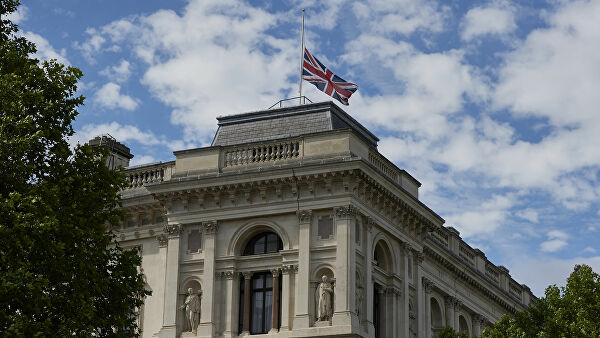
x=291, y=224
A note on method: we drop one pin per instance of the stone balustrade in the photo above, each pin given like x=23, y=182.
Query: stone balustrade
x=262, y=152
x=492, y=273
x=155, y=172
x=384, y=166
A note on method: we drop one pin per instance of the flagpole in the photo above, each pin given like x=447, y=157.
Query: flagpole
x=301, y=58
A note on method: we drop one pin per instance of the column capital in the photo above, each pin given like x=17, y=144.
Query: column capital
x=304, y=216
x=163, y=240
x=275, y=272
x=457, y=304
x=288, y=269
x=449, y=301
x=347, y=211
x=173, y=230
x=226, y=274
x=247, y=274
x=427, y=285
x=210, y=227
x=394, y=291
x=419, y=256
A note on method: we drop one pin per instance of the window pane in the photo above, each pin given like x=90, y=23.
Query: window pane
x=257, y=283
x=268, y=305
x=269, y=281
x=257, y=313
x=259, y=245
x=272, y=243
x=194, y=241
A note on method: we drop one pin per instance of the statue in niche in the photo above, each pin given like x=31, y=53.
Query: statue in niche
x=325, y=296
x=192, y=309
x=359, y=298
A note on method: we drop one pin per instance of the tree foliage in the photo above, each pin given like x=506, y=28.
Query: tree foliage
x=449, y=332
x=61, y=272
x=569, y=311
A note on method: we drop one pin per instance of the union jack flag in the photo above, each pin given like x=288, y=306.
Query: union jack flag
x=316, y=73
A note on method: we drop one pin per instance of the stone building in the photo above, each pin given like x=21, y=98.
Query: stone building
x=283, y=197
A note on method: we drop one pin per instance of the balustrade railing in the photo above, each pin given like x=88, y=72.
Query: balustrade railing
x=137, y=177
x=262, y=153
x=382, y=164
x=491, y=272
x=514, y=289
x=467, y=254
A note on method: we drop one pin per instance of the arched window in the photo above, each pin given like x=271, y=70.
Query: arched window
x=260, y=292
x=265, y=242
x=463, y=326
x=436, y=317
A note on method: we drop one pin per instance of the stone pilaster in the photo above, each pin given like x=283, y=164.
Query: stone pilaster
x=457, y=306
x=301, y=319
x=172, y=232
x=275, y=305
x=427, y=286
x=231, y=302
x=405, y=251
x=286, y=271
x=207, y=316
x=419, y=258
x=369, y=277
x=449, y=306
x=345, y=271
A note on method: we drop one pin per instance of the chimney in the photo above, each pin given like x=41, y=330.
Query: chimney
x=119, y=154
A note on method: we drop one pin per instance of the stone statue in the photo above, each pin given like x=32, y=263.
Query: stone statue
x=192, y=309
x=325, y=292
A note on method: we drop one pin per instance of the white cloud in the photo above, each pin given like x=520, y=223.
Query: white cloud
x=402, y=16
x=196, y=58
x=540, y=271
x=589, y=250
x=556, y=240
x=118, y=73
x=528, y=214
x=143, y=159
x=482, y=219
x=45, y=51
x=18, y=16
x=494, y=19
x=109, y=96
x=91, y=46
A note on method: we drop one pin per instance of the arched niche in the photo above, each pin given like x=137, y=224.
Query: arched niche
x=383, y=256
x=320, y=271
x=252, y=228
x=437, y=320
x=195, y=284
x=463, y=325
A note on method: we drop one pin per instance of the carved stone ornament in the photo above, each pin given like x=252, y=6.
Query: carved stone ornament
x=275, y=272
x=210, y=227
x=324, y=310
x=449, y=301
x=420, y=257
x=226, y=274
x=427, y=285
x=162, y=240
x=173, y=229
x=304, y=216
x=287, y=269
x=247, y=275
x=345, y=212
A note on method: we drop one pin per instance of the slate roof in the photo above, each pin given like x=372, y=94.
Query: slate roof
x=287, y=122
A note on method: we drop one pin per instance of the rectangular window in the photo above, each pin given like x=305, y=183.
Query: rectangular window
x=194, y=241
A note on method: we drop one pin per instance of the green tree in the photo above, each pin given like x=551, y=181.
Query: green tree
x=449, y=332
x=61, y=272
x=569, y=311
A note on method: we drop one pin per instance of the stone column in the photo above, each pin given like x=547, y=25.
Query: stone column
x=449, y=305
x=477, y=325
x=207, y=315
x=419, y=257
x=231, y=305
x=301, y=319
x=457, y=306
x=286, y=270
x=382, y=310
x=369, y=277
x=275, y=306
x=345, y=270
x=394, y=294
x=163, y=241
x=405, y=251
x=427, y=286
x=247, y=301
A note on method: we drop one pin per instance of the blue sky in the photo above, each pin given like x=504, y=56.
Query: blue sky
x=494, y=106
